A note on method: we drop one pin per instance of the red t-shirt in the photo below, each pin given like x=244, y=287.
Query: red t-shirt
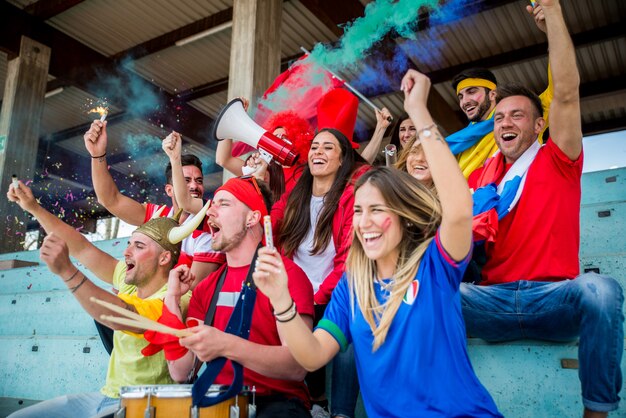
x=263, y=329
x=539, y=239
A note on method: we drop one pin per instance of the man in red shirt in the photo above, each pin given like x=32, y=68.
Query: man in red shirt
x=236, y=221
x=531, y=285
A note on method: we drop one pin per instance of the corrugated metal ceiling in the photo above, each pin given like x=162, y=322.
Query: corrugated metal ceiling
x=110, y=27
x=177, y=69
x=180, y=68
x=212, y=104
x=300, y=27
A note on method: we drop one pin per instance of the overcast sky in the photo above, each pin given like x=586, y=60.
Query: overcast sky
x=604, y=151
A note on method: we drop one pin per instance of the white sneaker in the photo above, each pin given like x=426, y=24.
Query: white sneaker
x=319, y=412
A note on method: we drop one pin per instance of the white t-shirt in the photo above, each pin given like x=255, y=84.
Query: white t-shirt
x=317, y=267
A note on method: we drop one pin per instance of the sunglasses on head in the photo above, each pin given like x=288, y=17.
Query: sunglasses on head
x=252, y=180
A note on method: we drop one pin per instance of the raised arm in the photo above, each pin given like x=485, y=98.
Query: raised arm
x=455, y=197
x=99, y=262
x=372, y=149
x=311, y=350
x=172, y=146
x=223, y=154
x=546, y=96
x=225, y=159
x=108, y=194
x=565, y=120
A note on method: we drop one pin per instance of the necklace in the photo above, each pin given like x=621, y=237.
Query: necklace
x=386, y=284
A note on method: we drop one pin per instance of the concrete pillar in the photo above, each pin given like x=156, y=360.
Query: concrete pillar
x=22, y=107
x=255, y=47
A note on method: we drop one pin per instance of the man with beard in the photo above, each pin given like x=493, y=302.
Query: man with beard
x=529, y=226
x=475, y=89
x=236, y=220
x=141, y=278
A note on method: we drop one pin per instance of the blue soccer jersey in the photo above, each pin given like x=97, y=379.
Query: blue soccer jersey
x=422, y=369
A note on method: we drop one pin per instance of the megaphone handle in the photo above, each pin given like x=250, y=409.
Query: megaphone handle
x=265, y=156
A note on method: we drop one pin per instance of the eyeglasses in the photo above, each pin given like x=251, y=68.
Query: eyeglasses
x=252, y=180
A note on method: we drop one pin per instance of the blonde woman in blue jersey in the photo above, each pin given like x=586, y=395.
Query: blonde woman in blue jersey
x=398, y=301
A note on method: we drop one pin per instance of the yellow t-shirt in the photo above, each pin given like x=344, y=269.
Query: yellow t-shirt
x=127, y=366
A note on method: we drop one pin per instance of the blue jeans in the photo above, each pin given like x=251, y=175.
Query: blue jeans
x=588, y=307
x=345, y=384
x=87, y=405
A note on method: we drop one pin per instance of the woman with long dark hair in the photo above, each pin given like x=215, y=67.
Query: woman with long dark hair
x=311, y=217
x=313, y=227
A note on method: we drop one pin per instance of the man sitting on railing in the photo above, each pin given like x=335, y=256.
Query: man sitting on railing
x=141, y=278
x=531, y=285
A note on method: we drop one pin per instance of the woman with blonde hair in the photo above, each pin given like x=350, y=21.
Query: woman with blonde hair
x=398, y=302
x=412, y=160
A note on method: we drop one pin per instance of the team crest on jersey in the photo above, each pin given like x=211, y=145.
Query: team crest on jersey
x=411, y=292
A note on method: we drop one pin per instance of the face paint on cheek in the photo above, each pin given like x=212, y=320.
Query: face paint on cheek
x=386, y=224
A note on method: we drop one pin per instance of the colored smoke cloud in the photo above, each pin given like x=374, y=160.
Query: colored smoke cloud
x=356, y=52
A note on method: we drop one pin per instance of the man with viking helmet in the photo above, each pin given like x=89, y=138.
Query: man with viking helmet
x=153, y=249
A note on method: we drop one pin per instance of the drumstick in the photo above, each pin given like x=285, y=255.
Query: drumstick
x=147, y=324
x=139, y=321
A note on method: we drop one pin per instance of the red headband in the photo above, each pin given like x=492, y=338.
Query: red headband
x=247, y=191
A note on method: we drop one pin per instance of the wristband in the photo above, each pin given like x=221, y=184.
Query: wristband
x=286, y=310
x=75, y=288
x=72, y=276
x=425, y=129
x=287, y=315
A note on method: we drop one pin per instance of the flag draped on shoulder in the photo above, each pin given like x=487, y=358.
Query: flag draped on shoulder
x=470, y=135
x=492, y=200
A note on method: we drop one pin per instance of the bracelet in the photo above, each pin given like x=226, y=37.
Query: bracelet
x=286, y=310
x=75, y=288
x=99, y=156
x=72, y=276
x=427, y=128
x=288, y=315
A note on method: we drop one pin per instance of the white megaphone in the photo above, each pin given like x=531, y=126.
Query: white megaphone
x=233, y=122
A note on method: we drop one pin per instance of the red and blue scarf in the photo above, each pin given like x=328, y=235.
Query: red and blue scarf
x=492, y=200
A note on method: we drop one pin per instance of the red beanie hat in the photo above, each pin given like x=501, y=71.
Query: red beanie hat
x=337, y=110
